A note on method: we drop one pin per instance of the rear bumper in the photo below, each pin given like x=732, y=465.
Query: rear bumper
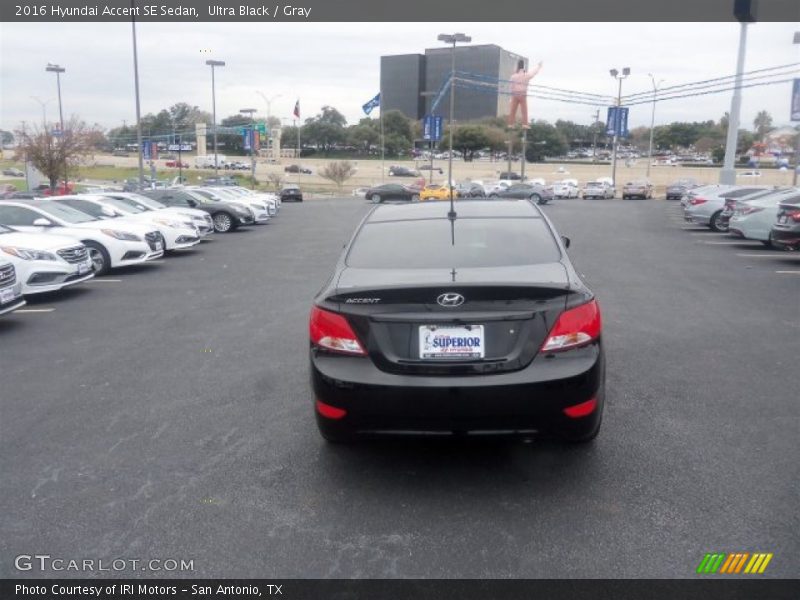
x=524, y=402
x=786, y=238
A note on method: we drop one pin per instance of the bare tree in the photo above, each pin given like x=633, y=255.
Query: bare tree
x=338, y=172
x=54, y=155
x=276, y=179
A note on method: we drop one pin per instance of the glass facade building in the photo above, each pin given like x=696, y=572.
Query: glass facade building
x=404, y=78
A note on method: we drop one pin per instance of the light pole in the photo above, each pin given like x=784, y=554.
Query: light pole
x=58, y=70
x=796, y=40
x=138, y=103
x=652, y=121
x=249, y=112
x=452, y=39
x=213, y=64
x=430, y=144
x=616, y=75
x=728, y=172
x=43, y=104
x=269, y=114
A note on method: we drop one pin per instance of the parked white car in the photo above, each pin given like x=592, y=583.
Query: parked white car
x=705, y=208
x=200, y=218
x=258, y=209
x=10, y=289
x=568, y=188
x=494, y=187
x=110, y=244
x=753, y=219
x=235, y=192
x=598, y=189
x=177, y=232
x=45, y=263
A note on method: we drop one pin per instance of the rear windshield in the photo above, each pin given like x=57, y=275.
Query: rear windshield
x=490, y=242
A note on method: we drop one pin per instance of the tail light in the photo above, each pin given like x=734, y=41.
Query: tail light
x=697, y=200
x=583, y=409
x=575, y=327
x=332, y=332
x=794, y=215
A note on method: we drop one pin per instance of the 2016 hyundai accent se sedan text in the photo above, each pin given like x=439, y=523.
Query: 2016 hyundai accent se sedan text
x=472, y=323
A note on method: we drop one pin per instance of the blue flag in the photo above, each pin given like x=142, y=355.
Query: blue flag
x=374, y=103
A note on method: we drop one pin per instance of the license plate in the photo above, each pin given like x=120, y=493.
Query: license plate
x=783, y=219
x=6, y=296
x=82, y=269
x=466, y=341
x=159, y=246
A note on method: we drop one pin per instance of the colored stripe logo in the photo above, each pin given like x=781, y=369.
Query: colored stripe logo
x=734, y=563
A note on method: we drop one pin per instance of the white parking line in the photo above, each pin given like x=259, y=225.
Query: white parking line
x=772, y=255
x=102, y=280
x=34, y=310
x=789, y=272
x=742, y=243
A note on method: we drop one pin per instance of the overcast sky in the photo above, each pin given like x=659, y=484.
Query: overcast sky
x=338, y=64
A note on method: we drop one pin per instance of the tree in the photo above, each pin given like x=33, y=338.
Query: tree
x=276, y=179
x=52, y=155
x=364, y=136
x=338, y=172
x=468, y=139
x=397, y=131
x=543, y=141
x=762, y=124
x=184, y=117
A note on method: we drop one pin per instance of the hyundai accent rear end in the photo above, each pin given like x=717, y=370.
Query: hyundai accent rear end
x=474, y=323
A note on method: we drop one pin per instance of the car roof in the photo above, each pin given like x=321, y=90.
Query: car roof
x=465, y=210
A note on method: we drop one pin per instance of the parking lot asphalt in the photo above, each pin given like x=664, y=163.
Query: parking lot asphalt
x=165, y=412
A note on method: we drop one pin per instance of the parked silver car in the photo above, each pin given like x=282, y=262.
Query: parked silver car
x=706, y=208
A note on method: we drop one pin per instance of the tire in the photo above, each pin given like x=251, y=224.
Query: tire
x=376, y=198
x=415, y=197
x=536, y=198
x=715, y=224
x=223, y=222
x=624, y=197
x=768, y=243
x=101, y=261
x=492, y=195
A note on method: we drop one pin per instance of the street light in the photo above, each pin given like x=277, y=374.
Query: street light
x=213, y=64
x=652, y=120
x=249, y=112
x=452, y=39
x=269, y=115
x=58, y=70
x=43, y=104
x=616, y=75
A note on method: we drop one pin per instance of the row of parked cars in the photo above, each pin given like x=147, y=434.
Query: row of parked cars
x=770, y=215
x=47, y=244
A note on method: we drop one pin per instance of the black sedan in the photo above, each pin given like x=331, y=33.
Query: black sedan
x=402, y=172
x=532, y=191
x=227, y=216
x=475, y=323
x=291, y=193
x=677, y=189
x=297, y=169
x=467, y=189
x=392, y=191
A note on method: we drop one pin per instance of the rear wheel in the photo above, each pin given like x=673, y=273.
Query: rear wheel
x=536, y=198
x=101, y=262
x=768, y=243
x=716, y=223
x=223, y=222
x=376, y=198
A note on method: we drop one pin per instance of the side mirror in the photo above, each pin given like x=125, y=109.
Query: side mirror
x=566, y=241
x=191, y=202
x=42, y=222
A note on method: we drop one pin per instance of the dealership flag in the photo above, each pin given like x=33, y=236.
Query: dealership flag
x=374, y=103
x=296, y=112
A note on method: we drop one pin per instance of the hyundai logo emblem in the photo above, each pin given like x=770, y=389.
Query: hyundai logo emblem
x=450, y=299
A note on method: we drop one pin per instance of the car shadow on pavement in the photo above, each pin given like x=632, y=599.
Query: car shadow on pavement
x=456, y=464
x=75, y=292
